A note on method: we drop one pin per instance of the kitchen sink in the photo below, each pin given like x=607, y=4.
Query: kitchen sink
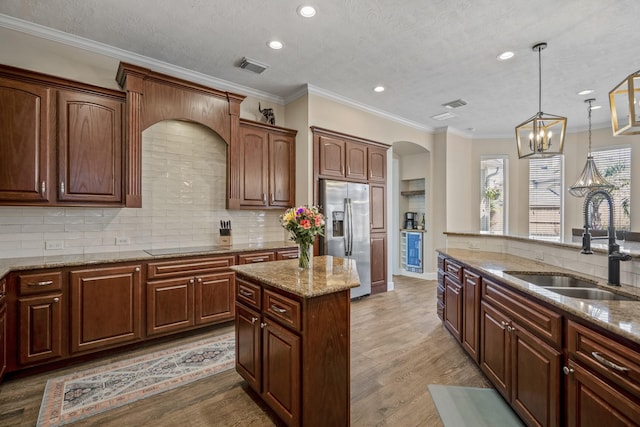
x=553, y=280
x=589, y=293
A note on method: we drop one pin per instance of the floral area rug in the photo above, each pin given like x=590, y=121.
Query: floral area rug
x=82, y=394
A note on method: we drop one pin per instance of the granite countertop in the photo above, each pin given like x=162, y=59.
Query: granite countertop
x=329, y=274
x=59, y=261
x=619, y=317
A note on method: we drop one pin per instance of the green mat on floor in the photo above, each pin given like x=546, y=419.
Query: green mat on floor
x=471, y=406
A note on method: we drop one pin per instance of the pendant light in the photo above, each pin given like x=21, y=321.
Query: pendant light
x=543, y=134
x=625, y=106
x=590, y=178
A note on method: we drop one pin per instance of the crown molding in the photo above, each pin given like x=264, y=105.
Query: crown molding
x=57, y=36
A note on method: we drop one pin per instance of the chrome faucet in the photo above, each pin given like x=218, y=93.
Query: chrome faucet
x=615, y=256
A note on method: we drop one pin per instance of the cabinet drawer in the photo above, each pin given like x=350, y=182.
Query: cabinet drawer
x=41, y=282
x=287, y=254
x=248, y=293
x=164, y=269
x=283, y=309
x=539, y=320
x=440, y=293
x=256, y=257
x=611, y=359
x=453, y=269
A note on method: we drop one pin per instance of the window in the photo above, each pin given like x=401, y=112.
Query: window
x=615, y=166
x=545, y=198
x=492, y=195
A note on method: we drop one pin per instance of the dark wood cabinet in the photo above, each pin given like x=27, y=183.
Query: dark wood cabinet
x=40, y=328
x=189, y=293
x=286, y=254
x=25, y=141
x=471, y=314
x=377, y=208
x=3, y=328
x=377, y=164
x=453, y=305
x=267, y=166
x=279, y=342
x=356, y=160
x=593, y=402
x=62, y=143
x=90, y=148
x=106, y=307
x=378, y=263
x=254, y=257
x=331, y=157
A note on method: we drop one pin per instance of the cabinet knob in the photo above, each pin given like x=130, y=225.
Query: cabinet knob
x=263, y=324
x=191, y=281
x=254, y=320
x=137, y=269
x=199, y=279
x=56, y=299
x=567, y=370
x=504, y=324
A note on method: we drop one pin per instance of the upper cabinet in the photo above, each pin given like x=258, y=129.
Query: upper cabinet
x=61, y=142
x=266, y=166
x=339, y=156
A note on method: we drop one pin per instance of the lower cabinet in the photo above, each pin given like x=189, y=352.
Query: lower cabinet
x=378, y=263
x=294, y=352
x=105, y=307
x=453, y=304
x=471, y=314
x=3, y=339
x=40, y=337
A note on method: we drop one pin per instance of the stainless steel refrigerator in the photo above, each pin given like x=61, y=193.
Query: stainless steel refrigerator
x=345, y=206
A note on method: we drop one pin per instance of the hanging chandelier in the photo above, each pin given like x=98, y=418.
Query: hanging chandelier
x=590, y=178
x=625, y=106
x=543, y=134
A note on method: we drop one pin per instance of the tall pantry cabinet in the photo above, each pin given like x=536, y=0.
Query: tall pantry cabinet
x=348, y=158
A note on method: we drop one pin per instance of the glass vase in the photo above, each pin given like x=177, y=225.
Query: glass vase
x=305, y=256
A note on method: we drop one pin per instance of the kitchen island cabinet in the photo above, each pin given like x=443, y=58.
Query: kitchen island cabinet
x=292, y=337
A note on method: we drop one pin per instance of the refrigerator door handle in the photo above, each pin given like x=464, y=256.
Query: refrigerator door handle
x=346, y=230
x=350, y=222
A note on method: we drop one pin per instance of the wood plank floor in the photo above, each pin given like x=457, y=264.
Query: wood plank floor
x=399, y=346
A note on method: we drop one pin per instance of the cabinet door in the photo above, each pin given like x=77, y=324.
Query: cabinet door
x=248, y=346
x=281, y=371
x=105, y=307
x=453, y=307
x=332, y=157
x=3, y=340
x=24, y=141
x=40, y=328
x=377, y=208
x=377, y=164
x=90, y=147
x=356, y=157
x=495, y=345
x=281, y=170
x=535, y=382
x=170, y=305
x=592, y=402
x=215, y=295
x=471, y=314
x=254, y=146
x=378, y=263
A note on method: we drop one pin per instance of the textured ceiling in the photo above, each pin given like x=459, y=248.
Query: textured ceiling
x=424, y=52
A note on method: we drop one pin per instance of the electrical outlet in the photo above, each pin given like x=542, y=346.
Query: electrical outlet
x=474, y=245
x=123, y=240
x=54, y=244
x=539, y=255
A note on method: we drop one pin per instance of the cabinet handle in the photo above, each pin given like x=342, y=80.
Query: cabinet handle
x=43, y=283
x=263, y=324
x=43, y=188
x=264, y=198
x=254, y=320
x=567, y=370
x=3, y=294
x=257, y=260
x=471, y=282
x=56, y=299
x=245, y=293
x=271, y=196
x=278, y=309
x=62, y=187
x=608, y=363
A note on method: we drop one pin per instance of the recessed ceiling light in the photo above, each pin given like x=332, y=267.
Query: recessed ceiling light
x=378, y=89
x=306, y=11
x=586, y=92
x=275, y=44
x=505, y=55
x=596, y=107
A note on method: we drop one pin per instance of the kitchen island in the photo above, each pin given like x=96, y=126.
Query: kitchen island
x=292, y=337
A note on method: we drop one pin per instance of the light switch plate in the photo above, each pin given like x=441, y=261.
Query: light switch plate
x=54, y=244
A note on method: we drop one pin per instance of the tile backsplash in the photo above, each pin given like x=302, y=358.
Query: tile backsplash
x=184, y=169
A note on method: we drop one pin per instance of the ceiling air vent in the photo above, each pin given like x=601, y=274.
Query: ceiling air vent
x=443, y=116
x=253, y=65
x=455, y=104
